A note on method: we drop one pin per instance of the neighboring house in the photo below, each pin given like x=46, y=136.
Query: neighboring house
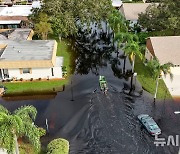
x=131, y=11
x=166, y=49
x=17, y=34
x=29, y=59
x=16, y=16
x=116, y=3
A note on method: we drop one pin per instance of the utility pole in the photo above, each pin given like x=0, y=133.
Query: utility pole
x=47, y=127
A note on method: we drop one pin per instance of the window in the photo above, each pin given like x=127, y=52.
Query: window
x=52, y=71
x=26, y=70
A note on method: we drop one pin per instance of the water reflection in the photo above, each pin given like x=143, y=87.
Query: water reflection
x=19, y=97
x=93, y=49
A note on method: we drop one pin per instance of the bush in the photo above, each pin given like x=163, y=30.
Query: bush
x=58, y=146
x=142, y=37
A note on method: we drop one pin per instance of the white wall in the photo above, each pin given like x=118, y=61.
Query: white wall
x=36, y=73
x=148, y=55
x=175, y=70
x=173, y=84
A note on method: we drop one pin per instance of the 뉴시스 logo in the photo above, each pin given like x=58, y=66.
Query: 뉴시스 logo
x=171, y=140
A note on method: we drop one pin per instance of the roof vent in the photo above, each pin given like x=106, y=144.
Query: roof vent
x=19, y=51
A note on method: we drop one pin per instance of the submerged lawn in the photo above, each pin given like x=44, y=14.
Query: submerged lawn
x=148, y=83
x=41, y=86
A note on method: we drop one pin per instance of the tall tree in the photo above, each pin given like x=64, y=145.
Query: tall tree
x=19, y=124
x=158, y=70
x=117, y=22
x=122, y=40
x=132, y=50
x=43, y=27
x=162, y=16
x=64, y=14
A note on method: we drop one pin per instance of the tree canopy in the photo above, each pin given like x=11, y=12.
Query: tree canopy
x=43, y=27
x=162, y=16
x=117, y=21
x=19, y=124
x=157, y=69
x=58, y=146
x=64, y=14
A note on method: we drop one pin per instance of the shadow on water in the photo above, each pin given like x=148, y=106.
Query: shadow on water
x=30, y=97
x=94, y=122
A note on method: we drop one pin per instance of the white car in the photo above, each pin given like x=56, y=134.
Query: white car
x=149, y=124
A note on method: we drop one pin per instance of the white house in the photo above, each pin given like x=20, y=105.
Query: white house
x=16, y=16
x=29, y=59
x=166, y=49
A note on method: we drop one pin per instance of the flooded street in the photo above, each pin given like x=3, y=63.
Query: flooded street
x=96, y=123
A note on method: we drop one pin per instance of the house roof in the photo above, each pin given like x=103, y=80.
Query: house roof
x=20, y=34
x=131, y=10
x=24, y=10
x=166, y=49
x=28, y=53
x=7, y=22
x=7, y=18
x=2, y=37
x=19, y=10
x=116, y=3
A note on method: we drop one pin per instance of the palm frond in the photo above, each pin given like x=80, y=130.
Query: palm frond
x=3, y=117
x=33, y=134
x=7, y=139
x=3, y=109
x=26, y=111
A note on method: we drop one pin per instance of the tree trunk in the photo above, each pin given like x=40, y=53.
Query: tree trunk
x=107, y=29
x=124, y=66
x=131, y=88
x=157, y=83
x=16, y=144
x=133, y=64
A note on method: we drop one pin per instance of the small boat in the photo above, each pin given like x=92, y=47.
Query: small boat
x=103, y=84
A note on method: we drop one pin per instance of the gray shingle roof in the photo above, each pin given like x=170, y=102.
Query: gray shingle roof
x=27, y=50
x=19, y=34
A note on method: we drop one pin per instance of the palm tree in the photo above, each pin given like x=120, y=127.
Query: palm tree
x=122, y=40
x=158, y=70
x=132, y=49
x=117, y=23
x=19, y=124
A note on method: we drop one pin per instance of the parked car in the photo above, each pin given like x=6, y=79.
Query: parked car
x=149, y=124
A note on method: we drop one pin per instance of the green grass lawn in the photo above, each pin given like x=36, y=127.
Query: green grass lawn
x=64, y=51
x=34, y=86
x=148, y=83
x=40, y=86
